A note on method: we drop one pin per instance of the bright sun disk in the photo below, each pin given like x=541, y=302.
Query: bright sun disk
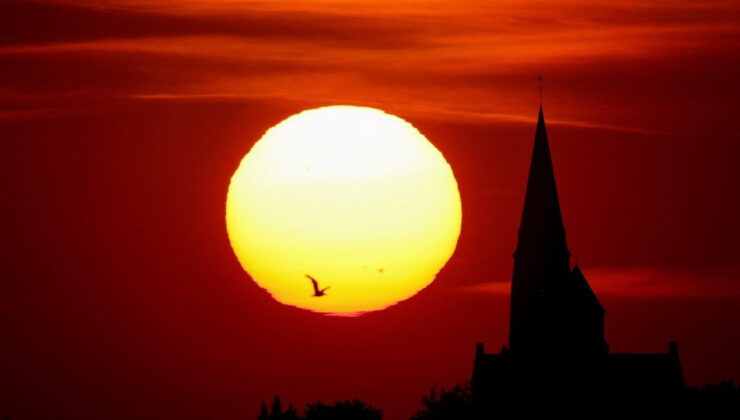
x=352, y=196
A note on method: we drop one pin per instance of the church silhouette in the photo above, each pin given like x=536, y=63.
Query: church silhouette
x=557, y=360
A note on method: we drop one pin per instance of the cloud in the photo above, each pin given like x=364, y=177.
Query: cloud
x=648, y=282
x=474, y=61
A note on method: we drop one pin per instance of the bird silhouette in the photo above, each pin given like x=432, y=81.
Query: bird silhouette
x=316, y=291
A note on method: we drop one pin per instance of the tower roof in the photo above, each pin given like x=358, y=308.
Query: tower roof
x=542, y=223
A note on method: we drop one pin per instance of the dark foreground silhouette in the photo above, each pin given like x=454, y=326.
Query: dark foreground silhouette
x=557, y=359
x=711, y=401
x=446, y=404
x=340, y=410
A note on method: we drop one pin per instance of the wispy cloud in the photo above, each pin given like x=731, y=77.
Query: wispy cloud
x=648, y=282
x=474, y=61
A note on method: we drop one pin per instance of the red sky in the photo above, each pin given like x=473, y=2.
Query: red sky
x=122, y=123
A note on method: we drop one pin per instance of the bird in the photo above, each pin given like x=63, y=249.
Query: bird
x=316, y=291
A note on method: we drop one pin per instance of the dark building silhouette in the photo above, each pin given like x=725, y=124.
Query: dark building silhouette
x=557, y=358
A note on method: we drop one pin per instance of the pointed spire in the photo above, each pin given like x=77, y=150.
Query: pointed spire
x=541, y=218
x=541, y=259
x=550, y=304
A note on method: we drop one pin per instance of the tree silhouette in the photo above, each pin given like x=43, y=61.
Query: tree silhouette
x=721, y=399
x=345, y=410
x=277, y=409
x=290, y=413
x=341, y=410
x=263, y=413
x=455, y=404
x=711, y=401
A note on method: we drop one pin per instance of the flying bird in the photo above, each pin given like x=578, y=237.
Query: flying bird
x=316, y=291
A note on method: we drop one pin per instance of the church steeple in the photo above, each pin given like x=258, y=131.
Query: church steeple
x=541, y=259
x=557, y=357
x=542, y=224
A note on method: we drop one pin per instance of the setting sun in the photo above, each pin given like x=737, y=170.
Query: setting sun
x=356, y=198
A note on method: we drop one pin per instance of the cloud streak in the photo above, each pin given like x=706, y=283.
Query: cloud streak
x=648, y=282
x=473, y=62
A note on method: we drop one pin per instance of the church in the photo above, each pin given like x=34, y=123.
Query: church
x=557, y=359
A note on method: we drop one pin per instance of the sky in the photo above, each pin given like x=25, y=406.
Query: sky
x=122, y=122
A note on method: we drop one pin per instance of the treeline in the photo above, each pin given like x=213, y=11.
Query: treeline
x=710, y=401
x=723, y=398
x=341, y=410
x=438, y=404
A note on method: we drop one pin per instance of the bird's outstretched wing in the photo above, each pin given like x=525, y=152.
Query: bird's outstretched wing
x=315, y=284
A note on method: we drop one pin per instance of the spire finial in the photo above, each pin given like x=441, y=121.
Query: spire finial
x=539, y=78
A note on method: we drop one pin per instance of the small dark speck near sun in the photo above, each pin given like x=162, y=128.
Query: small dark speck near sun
x=380, y=270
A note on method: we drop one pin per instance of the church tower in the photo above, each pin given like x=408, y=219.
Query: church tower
x=552, y=308
x=557, y=358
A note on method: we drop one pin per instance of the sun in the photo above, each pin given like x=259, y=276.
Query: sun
x=353, y=197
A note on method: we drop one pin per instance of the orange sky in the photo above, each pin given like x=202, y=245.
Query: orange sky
x=473, y=61
x=122, y=122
